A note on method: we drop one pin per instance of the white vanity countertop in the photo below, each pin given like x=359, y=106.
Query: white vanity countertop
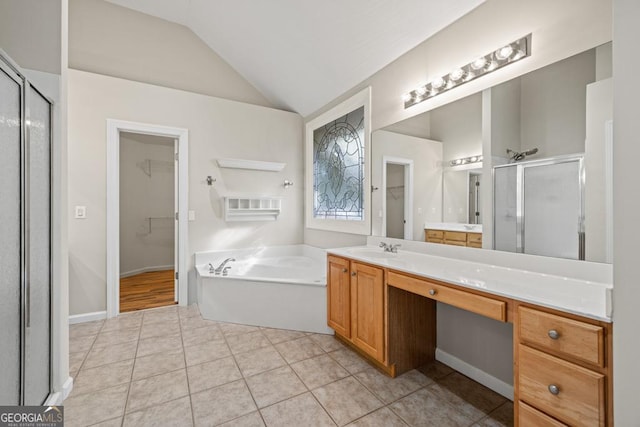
x=581, y=297
x=451, y=226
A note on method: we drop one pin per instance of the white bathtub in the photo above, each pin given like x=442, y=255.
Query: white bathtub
x=277, y=287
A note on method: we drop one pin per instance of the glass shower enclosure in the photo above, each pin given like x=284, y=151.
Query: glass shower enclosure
x=539, y=207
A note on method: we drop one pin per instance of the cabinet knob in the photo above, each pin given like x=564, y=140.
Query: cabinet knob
x=553, y=334
x=353, y=273
x=554, y=389
x=344, y=270
x=432, y=291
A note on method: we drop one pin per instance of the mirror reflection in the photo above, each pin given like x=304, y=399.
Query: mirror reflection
x=548, y=132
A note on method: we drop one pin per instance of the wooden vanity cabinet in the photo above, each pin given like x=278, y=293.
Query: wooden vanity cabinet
x=356, y=305
x=456, y=238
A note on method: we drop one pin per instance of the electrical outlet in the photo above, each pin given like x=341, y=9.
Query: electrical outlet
x=81, y=212
x=192, y=215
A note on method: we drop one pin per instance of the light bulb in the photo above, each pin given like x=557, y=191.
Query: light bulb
x=407, y=97
x=437, y=83
x=457, y=74
x=473, y=159
x=504, y=52
x=421, y=90
x=479, y=63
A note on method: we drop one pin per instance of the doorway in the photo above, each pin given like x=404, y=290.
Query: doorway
x=148, y=204
x=146, y=216
x=397, y=203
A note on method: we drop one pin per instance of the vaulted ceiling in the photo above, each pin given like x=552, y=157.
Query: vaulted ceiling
x=301, y=54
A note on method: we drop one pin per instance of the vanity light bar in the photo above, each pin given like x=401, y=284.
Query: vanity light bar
x=507, y=54
x=466, y=161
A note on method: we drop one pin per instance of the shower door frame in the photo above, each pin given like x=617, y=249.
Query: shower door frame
x=114, y=128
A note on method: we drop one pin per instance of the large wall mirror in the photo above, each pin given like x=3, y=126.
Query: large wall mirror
x=524, y=166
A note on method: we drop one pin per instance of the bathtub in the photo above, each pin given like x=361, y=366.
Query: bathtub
x=278, y=287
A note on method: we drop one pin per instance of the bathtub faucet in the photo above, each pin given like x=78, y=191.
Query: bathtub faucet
x=219, y=269
x=389, y=247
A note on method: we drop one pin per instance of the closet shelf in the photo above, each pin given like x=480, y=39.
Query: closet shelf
x=251, y=208
x=251, y=165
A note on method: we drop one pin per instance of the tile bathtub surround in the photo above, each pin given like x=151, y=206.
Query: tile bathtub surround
x=169, y=366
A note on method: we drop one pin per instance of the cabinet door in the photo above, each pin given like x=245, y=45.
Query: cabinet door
x=339, y=296
x=367, y=309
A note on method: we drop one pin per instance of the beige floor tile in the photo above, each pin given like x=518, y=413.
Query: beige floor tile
x=470, y=397
x=123, y=321
x=319, y=370
x=90, y=380
x=301, y=410
x=277, y=336
x=250, y=420
x=390, y=389
x=169, y=414
x=158, y=363
x=346, y=400
x=115, y=353
x=349, y=360
x=212, y=374
x=258, y=361
x=274, y=386
x=109, y=338
x=206, y=352
x=247, y=342
x=153, y=345
x=189, y=311
x=75, y=360
x=160, y=329
x=160, y=314
x=501, y=417
x=229, y=329
x=84, y=329
x=92, y=408
x=196, y=322
x=383, y=417
x=156, y=390
x=300, y=349
x=436, y=370
x=81, y=343
x=194, y=336
x=424, y=408
x=114, y=422
x=221, y=404
x=327, y=342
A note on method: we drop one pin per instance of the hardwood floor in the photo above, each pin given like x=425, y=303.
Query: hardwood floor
x=147, y=290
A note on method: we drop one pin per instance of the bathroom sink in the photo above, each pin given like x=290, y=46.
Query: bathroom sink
x=372, y=253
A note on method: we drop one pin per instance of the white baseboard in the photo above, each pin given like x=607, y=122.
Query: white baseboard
x=147, y=270
x=66, y=388
x=87, y=317
x=56, y=399
x=475, y=374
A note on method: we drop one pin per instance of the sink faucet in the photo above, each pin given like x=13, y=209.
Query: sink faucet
x=219, y=269
x=389, y=247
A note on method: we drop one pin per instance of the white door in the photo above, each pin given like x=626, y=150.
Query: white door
x=176, y=228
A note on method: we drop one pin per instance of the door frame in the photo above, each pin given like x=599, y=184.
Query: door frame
x=408, y=194
x=114, y=127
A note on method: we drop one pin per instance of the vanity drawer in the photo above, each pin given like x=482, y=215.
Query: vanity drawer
x=563, y=336
x=455, y=236
x=474, y=238
x=434, y=234
x=479, y=304
x=579, y=398
x=531, y=417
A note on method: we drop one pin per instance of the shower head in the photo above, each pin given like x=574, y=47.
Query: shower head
x=516, y=156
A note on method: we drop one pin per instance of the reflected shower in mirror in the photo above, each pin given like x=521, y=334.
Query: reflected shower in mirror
x=563, y=109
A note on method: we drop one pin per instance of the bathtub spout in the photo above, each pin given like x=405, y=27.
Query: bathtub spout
x=219, y=269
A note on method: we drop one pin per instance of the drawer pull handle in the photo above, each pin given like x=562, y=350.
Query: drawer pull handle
x=353, y=274
x=432, y=291
x=344, y=270
x=554, y=389
x=553, y=334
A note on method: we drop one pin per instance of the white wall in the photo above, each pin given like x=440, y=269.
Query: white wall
x=455, y=196
x=217, y=129
x=626, y=92
x=146, y=193
x=459, y=127
x=427, y=177
x=109, y=39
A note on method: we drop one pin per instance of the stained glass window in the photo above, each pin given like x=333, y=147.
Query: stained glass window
x=338, y=168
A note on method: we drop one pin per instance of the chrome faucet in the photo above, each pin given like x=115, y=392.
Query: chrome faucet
x=219, y=269
x=212, y=269
x=389, y=247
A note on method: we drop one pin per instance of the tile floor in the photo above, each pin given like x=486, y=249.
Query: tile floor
x=168, y=366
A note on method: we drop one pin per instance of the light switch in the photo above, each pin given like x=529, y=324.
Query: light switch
x=81, y=212
x=192, y=215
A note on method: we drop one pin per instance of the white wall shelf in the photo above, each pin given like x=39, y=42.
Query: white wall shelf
x=251, y=164
x=251, y=208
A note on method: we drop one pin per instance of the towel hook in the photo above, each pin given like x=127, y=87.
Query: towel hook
x=210, y=180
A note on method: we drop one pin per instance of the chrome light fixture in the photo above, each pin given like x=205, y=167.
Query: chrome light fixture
x=505, y=55
x=465, y=161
